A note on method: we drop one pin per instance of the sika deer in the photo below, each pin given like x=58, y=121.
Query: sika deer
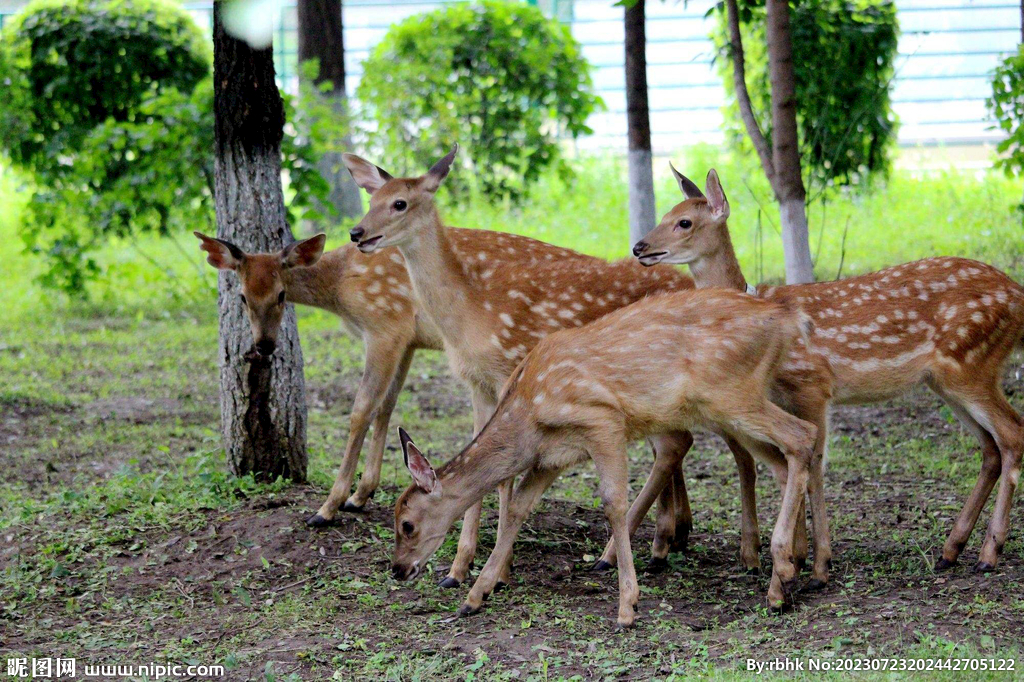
x=372, y=296
x=491, y=312
x=660, y=366
x=947, y=323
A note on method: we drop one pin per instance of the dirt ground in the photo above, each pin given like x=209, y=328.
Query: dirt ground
x=109, y=553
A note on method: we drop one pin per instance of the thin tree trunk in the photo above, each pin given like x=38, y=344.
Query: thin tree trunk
x=321, y=37
x=781, y=158
x=642, y=217
x=788, y=182
x=263, y=403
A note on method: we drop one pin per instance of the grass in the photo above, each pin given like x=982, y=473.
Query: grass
x=125, y=540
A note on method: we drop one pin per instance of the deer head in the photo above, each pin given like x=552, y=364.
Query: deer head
x=261, y=275
x=420, y=522
x=398, y=206
x=693, y=229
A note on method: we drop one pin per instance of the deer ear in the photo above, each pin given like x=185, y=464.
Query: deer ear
x=304, y=253
x=219, y=253
x=439, y=171
x=686, y=185
x=716, y=195
x=368, y=176
x=422, y=473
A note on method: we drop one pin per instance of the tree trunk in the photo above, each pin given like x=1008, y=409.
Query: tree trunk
x=321, y=37
x=641, y=181
x=787, y=182
x=263, y=403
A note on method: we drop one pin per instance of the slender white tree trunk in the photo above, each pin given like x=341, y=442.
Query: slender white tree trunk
x=795, y=245
x=641, y=195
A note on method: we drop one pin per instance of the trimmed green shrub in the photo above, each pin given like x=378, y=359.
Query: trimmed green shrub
x=1007, y=107
x=499, y=78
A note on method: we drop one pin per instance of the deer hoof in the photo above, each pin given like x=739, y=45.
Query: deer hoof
x=449, y=582
x=317, y=521
x=983, y=567
x=467, y=610
x=499, y=586
x=601, y=566
x=944, y=564
x=814, y=584
x=656, y=565
x=352, y=508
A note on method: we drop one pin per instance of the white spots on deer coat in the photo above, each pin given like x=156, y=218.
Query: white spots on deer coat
x=374, y=287
x=378, y=269
x=506, y=319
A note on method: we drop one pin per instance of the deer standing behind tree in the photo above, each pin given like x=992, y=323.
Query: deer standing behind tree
x=372, y=296
x=491, y=311
x=947, y=323
x=663, y=365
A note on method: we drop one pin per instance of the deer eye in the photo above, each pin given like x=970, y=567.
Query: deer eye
x=280, y=298
x=400, y=204
x=407, y=528
x=244, y=302
x=685, y=224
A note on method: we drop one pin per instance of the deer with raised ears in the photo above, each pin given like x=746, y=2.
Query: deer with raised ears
x=372, y=296
x=947, y=323
x=491, y=313
x=661, y=366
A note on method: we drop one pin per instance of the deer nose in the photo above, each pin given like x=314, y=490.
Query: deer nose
x=356, y=233
x=639, y=248
x=398, y=571
x=265, y=347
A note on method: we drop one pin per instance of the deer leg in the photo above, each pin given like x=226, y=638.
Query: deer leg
x=482, y=410
x=609, y=455
x=674, y=519
x=1006, y=426
x=965, y=521
x=816, y=495
x=382, y=361
x=667, y=460
x=370, y=479
x=796, y=438
x=750, y=535
x=504, y=501
x=527, y=494
x=684, y=515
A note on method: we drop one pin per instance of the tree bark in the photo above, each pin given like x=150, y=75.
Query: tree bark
x=780, y=159
x=263, y=403
x=321, y=37
x=788, y=182
x=642, y=217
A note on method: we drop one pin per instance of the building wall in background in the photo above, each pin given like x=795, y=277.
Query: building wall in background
x=947, y=49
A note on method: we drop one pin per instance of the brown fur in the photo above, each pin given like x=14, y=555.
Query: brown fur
x=663, y=365
x=492, y=306
x=949, y=323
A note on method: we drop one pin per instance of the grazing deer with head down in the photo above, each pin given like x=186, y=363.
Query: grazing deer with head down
x=372, y=296
x=490, y=312
x=663, y=365
x=947, y=323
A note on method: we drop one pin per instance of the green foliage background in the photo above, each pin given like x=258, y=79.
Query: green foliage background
x=1007, y=107
x=499, y=78
x=843, y=53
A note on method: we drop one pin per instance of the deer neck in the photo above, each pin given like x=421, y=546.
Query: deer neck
x=316, y=285
x=437, y=277
x=719, y=269
x=497, y=453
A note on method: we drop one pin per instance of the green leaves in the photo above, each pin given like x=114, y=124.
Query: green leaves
x=1007, y=108
x=843, y=53
x=498, y=78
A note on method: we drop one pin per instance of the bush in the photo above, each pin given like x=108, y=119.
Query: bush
x=130, y=148
x=69, y=66
x=1007, y=107
x=843, y=53
x=497, y=77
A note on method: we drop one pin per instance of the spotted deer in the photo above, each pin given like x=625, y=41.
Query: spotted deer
x=491, y=311
x=947, y=323
x=372, y=296
x=664, y=365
